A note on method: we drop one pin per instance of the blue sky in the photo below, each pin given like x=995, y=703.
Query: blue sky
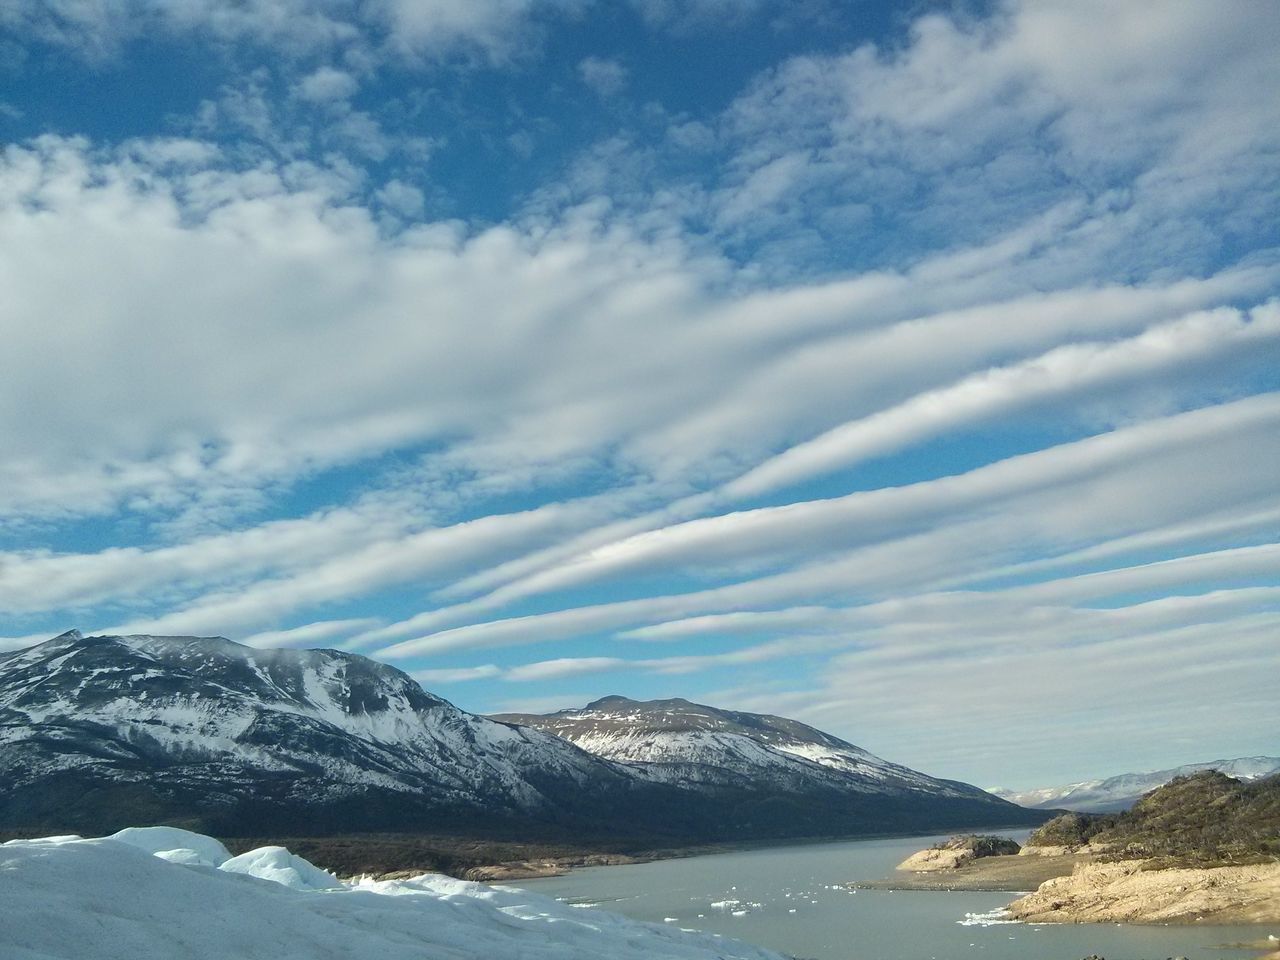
x=909, y=369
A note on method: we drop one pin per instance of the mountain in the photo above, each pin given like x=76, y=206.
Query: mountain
x=97, y=731
x=1121, y=792
x=705, y=748
x=102, y=732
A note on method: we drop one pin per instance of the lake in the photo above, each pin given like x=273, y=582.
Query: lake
x=792, y=900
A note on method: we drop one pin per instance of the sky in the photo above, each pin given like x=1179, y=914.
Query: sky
x=910, y=369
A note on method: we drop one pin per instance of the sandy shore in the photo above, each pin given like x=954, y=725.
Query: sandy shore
x=1012, y=873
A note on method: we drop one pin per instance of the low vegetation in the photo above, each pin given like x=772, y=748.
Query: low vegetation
x=982, y=845
x=1206, y=819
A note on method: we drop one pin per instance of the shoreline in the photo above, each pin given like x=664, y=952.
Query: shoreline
x=1084, y=887
x=1012, y=873
x=396, y=856
x=1130, y=891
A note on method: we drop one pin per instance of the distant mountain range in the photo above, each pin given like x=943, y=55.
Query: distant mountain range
x=102, y=732
x=1122, y=791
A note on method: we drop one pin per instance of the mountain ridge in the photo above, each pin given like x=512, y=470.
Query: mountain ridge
x=690, y=739
x=1119, y=792
x=102, y=732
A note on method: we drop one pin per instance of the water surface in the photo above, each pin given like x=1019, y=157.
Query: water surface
x=793, y=899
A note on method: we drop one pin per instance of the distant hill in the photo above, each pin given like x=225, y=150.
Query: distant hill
x=752, y=764
x=1122, y=791
x=1206, y=818
x=97, y=733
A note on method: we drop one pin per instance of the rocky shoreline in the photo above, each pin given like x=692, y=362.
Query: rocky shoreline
x=1015, y=874
x=1075, y=887
x=1130, y=892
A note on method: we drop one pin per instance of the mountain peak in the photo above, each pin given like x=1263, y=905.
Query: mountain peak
x=610, y=700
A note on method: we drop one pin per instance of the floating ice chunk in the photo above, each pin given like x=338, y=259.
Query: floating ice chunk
x=280, y=866
x=988, y=919
x=178, y=846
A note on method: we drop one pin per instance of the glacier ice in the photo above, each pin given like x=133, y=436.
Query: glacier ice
x=117, y=899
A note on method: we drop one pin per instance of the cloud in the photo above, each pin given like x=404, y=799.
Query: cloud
x=457, y=675
x=563, y=667
x=1079, y=369
x=327, y=84
x=925, y=534
x=870, y=156
x=308, y=634
x=606, y=78
x=409, y=28
x=420, y=557
x=46, y=580
x=954, y=702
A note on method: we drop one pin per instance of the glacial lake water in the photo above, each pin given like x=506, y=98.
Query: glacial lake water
x=792, y=899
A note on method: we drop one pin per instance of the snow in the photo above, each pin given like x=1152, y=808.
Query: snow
x=112, y=899
x=280, y=866
x=170, y=842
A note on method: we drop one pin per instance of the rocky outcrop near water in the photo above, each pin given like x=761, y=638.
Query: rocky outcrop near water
x=957, y=852
x=1132, y=892
x=1203, y=848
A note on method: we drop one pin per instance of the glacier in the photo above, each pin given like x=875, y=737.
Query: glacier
x=160, y=893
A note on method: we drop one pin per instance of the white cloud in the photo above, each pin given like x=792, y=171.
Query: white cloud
x=606, y=78
x=924, y=535
x=1150, y=118
x=308, y=634
x=43, y=580
x=326, y=84
x=101, y=28
x=423, y=557
x=1077, y=369
x=457, y=675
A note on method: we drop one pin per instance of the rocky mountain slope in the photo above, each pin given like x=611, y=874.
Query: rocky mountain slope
x=97, y=733
x=1122, y=791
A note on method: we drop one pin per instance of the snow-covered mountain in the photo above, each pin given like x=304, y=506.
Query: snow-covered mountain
x=681, y=742
x=227, y=733
x=1122, y=791
x=100, y=732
